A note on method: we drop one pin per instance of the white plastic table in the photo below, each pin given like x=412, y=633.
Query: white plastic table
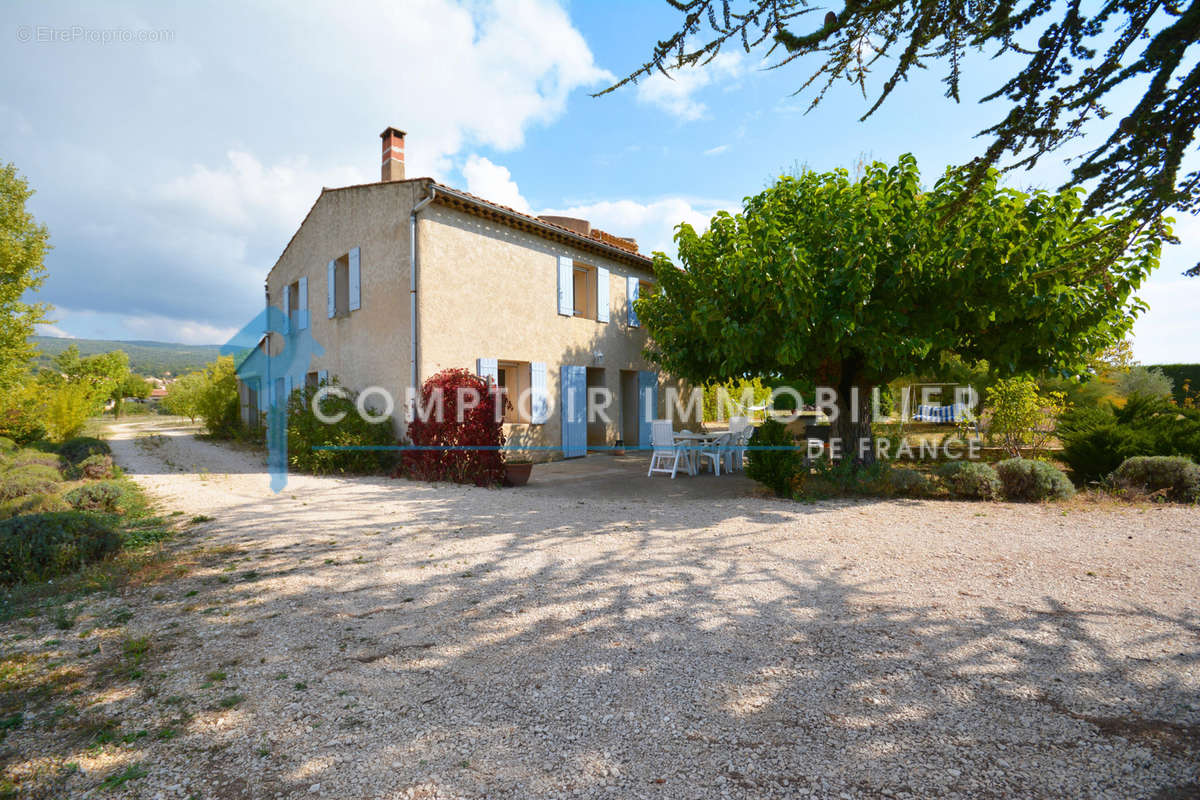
x=693, y=441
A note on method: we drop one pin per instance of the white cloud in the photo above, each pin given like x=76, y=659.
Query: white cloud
x=493, y=182
x=153, y=327
x=675, y=94
x=652, y=224
x=244, y=195
x=716, y=151
x=1168, y=332
x=46, y=329
x=184, y=207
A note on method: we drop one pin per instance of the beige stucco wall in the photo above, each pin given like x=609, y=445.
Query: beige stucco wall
x=488, y=290
x=370, y=346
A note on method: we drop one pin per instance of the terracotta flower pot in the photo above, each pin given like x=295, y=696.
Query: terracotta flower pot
x=517, y=474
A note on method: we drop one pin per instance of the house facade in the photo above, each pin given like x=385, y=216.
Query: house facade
x=400, y=279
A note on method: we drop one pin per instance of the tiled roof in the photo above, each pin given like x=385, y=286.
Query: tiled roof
x=610, y=245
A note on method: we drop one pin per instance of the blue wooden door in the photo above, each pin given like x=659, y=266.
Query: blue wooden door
x=647, y=405
x=574, y=411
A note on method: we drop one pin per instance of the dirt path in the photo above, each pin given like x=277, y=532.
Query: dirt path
x=371, y=638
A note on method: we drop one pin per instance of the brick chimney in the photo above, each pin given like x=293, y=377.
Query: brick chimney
x=393, y=155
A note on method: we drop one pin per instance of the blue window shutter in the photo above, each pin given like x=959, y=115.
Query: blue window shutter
x=601, y=294
x=322, y=377
x=488, y=368
x=302, y=303
x=539, y=400
x=287, y=309
x=566, y=286
x=647, y=405
x=355, y=281
x=330, y=284
x=631, y=291
x=287, y=391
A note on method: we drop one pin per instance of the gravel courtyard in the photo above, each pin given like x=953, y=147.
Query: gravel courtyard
x=374, y=638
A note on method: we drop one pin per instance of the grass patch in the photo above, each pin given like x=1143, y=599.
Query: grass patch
x=118, y=779
x=141, y=560
x=231, y=701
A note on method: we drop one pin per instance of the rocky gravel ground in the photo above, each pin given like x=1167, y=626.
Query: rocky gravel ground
x=372, y=638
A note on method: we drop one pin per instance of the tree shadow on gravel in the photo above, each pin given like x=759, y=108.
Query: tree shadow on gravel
x=458, y=642
x=631, y=647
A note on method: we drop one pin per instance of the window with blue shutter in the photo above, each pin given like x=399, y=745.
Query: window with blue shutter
x=355, y=281
x=331, y=289
x=488, y=368
x=539, y=401
x=602, y=281
x=566, y=286
x=302, y=304
x=287, y=309
x=631, y=292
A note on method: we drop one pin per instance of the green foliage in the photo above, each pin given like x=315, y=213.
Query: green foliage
x=101, y=496
x=733, y=398
x=1144, y=382
x=145, y=357
x=183, y=395
x=28, y=457
x=33, y=504
x=1033, y=481
x=305, y=432
x=101, y=377
x=1176, y=477
x=1097, y=440
x=27, y=480
x=908, y=483
x=846, y=477
x=970, y=480
x=67, y=408
x=1021, y=417
x=23, y=245
x=131, y=385
x=775, y=467
x=217, y=402
x=1076, y=59
x=93, y=468
x=37, y=547
x=7, y=445
x=1183, y=377
x=77, y=449
x=805, y=284
x=22, y=413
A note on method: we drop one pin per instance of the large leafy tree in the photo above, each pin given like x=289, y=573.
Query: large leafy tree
x=1079, y=60
x=103, y=376
x=23, y=244
x=851, y=283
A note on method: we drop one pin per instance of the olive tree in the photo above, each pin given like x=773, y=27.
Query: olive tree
x=851, y=283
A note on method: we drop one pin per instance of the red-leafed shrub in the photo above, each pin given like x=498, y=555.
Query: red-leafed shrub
x=458, y=411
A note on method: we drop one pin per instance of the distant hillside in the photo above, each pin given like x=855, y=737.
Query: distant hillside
x=145, y=358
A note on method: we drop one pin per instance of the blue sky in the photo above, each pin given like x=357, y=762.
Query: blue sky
x=171, y=172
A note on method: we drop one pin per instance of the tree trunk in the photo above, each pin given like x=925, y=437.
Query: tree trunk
x=852, y=428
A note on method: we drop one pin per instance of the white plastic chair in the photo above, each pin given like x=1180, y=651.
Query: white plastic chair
x=662, y=440
x=717, y=452
x=737, y=449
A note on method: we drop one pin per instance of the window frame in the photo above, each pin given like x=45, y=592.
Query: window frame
x=521, y=371
x=591, y=300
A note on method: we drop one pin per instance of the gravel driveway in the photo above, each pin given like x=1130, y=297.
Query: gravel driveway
x=374, y=638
